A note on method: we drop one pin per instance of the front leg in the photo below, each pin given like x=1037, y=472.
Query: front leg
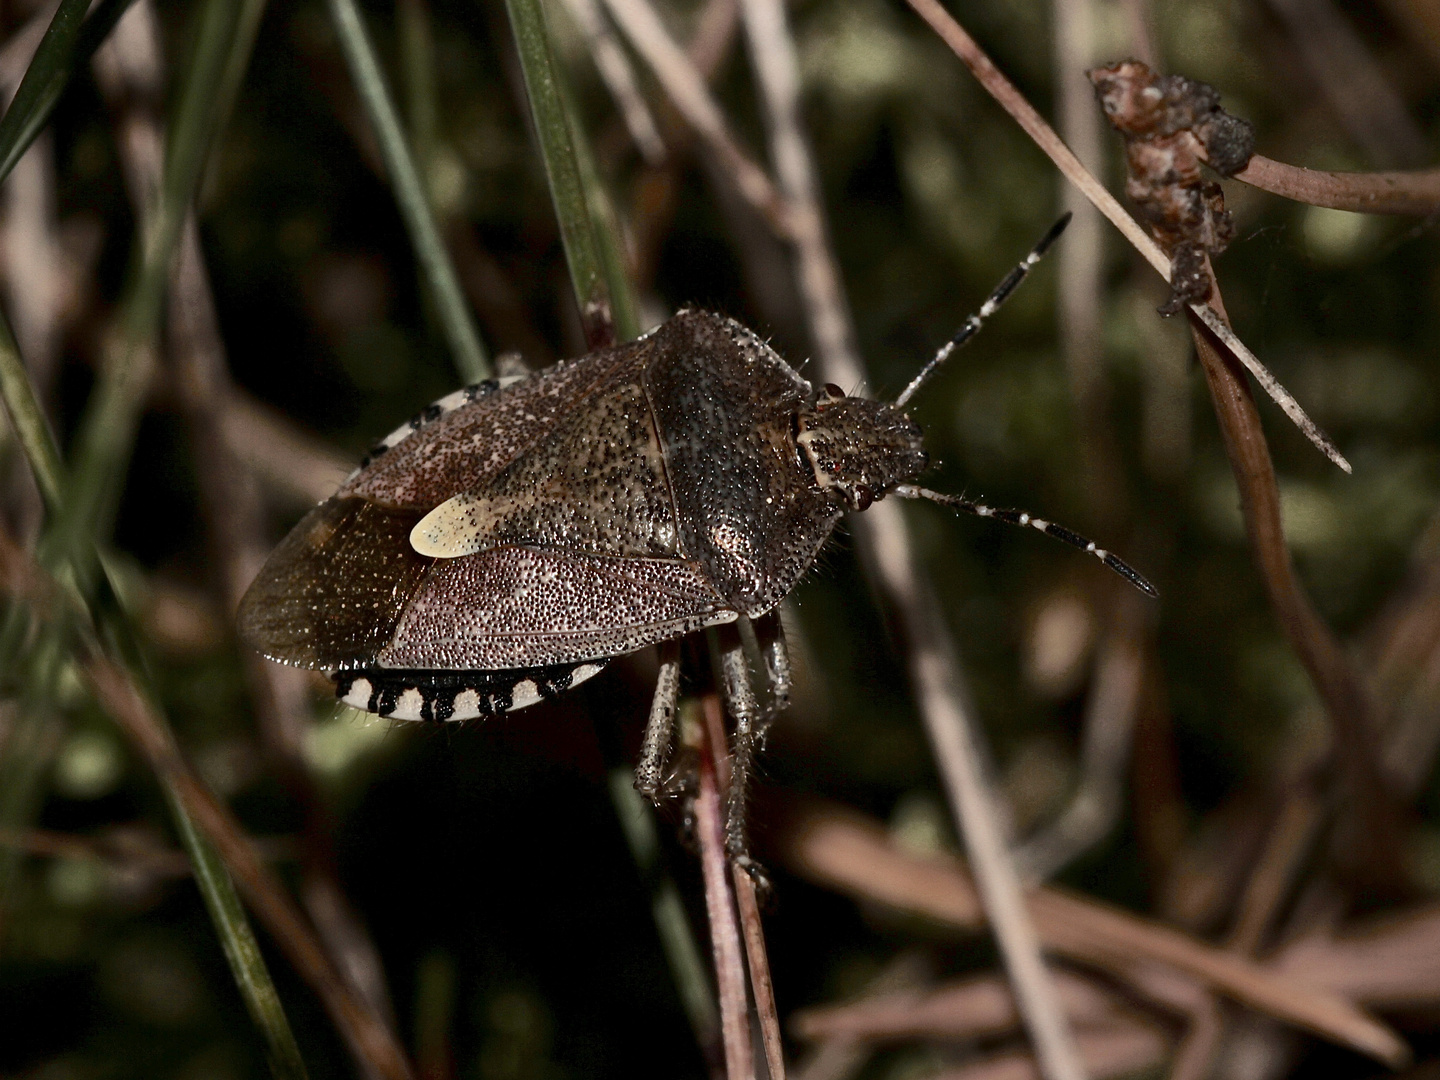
x=739, y=697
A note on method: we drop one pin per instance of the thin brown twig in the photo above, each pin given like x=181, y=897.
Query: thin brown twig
x=756, y=957
x=1014, y=103
x=725, y=937
x=1373, y=843
x=1364, y=192
x=934, y=670
x=945, y=706
x=615, y=71
x=691, y=96
x=841, y=849
x=362, y=1027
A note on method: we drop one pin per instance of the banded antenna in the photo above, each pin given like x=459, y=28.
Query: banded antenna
x=1024, y=519
x=972, y=325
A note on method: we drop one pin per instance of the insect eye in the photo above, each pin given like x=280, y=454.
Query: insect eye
x=833, y=392
x=863, y=497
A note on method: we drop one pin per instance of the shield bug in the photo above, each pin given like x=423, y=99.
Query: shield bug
x=515, y=536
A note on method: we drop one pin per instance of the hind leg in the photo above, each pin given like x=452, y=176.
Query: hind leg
x=751, y=721
x=660, y=729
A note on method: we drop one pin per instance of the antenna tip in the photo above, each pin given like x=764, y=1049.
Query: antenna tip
x=1054, y=233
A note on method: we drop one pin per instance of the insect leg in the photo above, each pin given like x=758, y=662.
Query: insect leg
x=775, y=656
x=660, y=729
x=740, y=701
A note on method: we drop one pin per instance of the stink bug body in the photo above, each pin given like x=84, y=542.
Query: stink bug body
x=511, y=539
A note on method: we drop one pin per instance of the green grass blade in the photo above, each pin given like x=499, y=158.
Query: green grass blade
x=607, y=303
x=410, y=194
x=606, y=230
x=28, y=420
x=66, y=45
x=224, y=38
x=558, y=140
x=53, y=56
x=417, y=75
x=242, y=950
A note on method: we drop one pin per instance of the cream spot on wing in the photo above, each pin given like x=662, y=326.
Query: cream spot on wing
x=453, y=528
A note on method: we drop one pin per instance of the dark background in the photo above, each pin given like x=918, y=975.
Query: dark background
x=486, y=862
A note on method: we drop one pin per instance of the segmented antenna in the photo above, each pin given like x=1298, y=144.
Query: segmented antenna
x=972, y=325
x=1023, y=519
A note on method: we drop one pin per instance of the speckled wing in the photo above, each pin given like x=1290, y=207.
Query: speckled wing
x=574, y=554
x=520, y=607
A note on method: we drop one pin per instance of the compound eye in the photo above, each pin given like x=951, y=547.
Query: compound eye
x=862, y=498
x=833, y=392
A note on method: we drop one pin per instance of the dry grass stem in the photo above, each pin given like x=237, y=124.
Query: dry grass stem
x=691, y=96
x=944, y=705
x=19, y=48
x=758, y=961
x=366, y=1032
x=973, y=1008
x=843, y=850
x=1044, y=136
x=657, y=191
x=1118, y=1050
x=777, y=71
x=1080, y=259
x=984, y=1008
x=1363, y=192
x=757, y=958
x=1269, y=884
x=1373, y=842
x=725, y=936
x=1111, y=706
x=933, y=665
x=299, y=468
x=614, y=68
